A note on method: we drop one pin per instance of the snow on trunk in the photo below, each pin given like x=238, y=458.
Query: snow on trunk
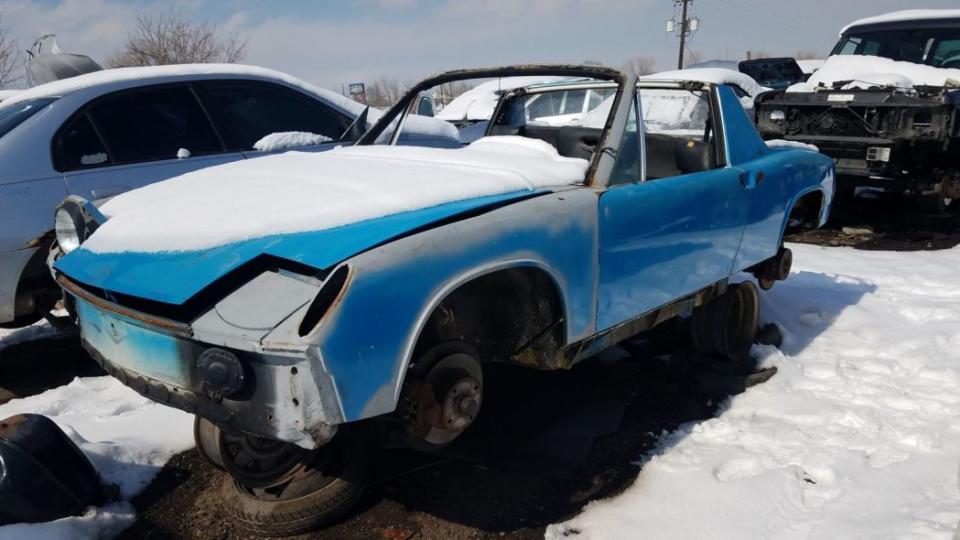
x=857, y=436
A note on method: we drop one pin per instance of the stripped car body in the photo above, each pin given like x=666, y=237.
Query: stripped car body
x=326, y=325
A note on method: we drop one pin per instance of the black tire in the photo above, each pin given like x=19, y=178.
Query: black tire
x=728, y=325
x=314, y=495
x=934, y=204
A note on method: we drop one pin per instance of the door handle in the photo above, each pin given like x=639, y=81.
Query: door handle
x=751, y=180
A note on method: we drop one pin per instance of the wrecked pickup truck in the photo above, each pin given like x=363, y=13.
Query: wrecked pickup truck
x=308, y=306
x=885, y=106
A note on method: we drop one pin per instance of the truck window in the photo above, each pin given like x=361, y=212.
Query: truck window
x=937, y=47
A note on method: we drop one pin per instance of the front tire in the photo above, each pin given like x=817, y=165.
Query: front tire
x=318, y=491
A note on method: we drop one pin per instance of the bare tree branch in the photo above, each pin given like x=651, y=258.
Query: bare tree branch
x=806, y=55
x=641, y=65
x=169, y=38
x=10, y=66
x=384, y=92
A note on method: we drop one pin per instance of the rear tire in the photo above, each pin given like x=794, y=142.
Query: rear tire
x=315, y=493
x=728, y=325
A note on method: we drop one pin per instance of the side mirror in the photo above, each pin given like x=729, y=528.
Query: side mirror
x=357, y=128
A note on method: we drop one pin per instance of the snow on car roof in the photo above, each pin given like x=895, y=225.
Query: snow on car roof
x=866, y=71
x=305, y=191
x=710, y=75
x=7, y=94
x=152, y=73
x=479, y=102
x=905, y=15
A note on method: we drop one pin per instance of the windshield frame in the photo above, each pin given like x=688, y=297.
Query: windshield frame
x=601, y=164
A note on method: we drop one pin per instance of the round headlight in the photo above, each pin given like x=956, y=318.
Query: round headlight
x=70, y=228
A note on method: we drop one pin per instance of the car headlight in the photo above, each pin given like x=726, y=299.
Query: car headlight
x=70, y=227
x=778, y=115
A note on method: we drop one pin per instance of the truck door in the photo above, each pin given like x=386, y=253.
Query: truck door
x=678, y=229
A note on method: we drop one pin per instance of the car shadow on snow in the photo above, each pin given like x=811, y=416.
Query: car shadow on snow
x=544, y=445
x=808, y=304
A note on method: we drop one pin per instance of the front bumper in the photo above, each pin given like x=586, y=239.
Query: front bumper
x=280, y=398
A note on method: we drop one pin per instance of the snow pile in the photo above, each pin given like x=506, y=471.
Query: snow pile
x=867, y=71
x=126, y=436
x=780, y=143
x=857, y=436
x=301, y=191
x=7, y=94
x=905, y=15
x=479, y=102
x=714, y=75
x=810, y=66
x=288, y=139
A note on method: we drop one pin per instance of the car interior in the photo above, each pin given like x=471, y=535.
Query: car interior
x=686, y=147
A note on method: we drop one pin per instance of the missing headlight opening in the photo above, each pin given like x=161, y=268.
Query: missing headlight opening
x=324, y=300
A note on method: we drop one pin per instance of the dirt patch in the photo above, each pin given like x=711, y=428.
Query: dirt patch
x=885, y=224
x=546, y=444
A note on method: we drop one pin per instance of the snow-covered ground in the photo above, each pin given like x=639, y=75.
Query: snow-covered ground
x=128, y=438
x=857, y=436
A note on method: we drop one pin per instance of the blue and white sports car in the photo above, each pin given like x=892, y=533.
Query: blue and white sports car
x=290, y=301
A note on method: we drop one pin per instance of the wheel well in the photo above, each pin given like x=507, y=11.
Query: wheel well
x=515, y=315
x=36, y=291
x=805, y=213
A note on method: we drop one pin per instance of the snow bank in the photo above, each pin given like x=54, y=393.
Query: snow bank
x=479, y=102
x=300, y=191
x=288, y=139
x=128, y=437
x=905, y=15
x=857, y=436
x=866, y=71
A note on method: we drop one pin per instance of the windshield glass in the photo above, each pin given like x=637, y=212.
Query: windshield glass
x=938, y=47
x=13, y=115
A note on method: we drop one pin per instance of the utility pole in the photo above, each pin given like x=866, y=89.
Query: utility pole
x=687, y=25
x=683, y=33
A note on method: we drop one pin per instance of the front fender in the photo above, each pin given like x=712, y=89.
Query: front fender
x=367, y=339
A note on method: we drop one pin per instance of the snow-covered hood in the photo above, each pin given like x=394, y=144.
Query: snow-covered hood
x=317, y=209
x=868, y=71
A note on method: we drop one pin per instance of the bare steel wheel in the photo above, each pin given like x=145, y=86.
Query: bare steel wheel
x=309, y=489
x=442, y=395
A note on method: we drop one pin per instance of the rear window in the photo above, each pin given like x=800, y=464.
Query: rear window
x=14, y=114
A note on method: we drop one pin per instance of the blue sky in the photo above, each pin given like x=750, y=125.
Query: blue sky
x=339, y=41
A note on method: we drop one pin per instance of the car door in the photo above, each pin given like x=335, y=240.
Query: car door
x=768, y=180
x=678, y=230
x=259, y=118
x=136, y=137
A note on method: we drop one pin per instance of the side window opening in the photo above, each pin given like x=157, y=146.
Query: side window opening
x=253, y=111
x=626, y=169
x=679, y=135
x=78, y=146
x=153, y=124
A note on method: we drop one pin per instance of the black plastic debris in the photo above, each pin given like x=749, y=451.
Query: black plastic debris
x=43, y=475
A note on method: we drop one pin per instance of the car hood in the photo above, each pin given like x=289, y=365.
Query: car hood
x=864, y=72
x=174, y=277
x=170, y=240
